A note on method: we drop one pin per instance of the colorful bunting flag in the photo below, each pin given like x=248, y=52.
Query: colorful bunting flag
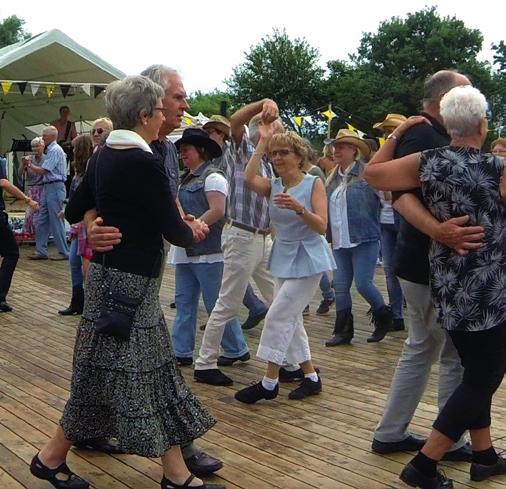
x=381, y=141
x=351, y=128
x=34, y=87
x=298, y=120
x=50, y=90
x=309, y=119
x=22, y=87
x=97, y=90
x=329, y=114
x=64, y=90
x=6, y=86
x=86, y=87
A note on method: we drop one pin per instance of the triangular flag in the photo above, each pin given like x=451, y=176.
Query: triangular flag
x=86, y=88
x=34, y=87
x=351, y=128
x=309, y=119
x=298, y=120
x=50, y=90
x=360, y=134
x=97, y=90
x=188, y=120
x=64, y=90
x=381, y=141
x=329, y=114
x=6, y=86
x=22, y=87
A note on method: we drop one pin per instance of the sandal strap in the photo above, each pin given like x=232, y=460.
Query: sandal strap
x=187, y=481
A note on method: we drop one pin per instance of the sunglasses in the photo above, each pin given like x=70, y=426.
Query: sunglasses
x=97, y=131
x=280, y=152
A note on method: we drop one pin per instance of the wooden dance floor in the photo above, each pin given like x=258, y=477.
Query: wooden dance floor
x=323, y=442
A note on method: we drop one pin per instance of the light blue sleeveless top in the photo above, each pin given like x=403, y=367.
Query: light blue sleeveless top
x=297, y=250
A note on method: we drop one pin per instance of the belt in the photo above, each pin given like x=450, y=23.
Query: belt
x=245, y=227
x=53, y=181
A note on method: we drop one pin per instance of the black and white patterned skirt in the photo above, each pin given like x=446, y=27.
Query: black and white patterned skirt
x=130, y=390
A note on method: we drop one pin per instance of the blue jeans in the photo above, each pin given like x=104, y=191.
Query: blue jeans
x=254, y=305
x=191, y=280
x=51, y=203
x=326, y=288
x=357, y=264
x=76, y=265
x=388, y=242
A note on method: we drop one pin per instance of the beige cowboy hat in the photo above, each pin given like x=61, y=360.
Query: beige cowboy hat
x=391, y=120
x=218, y=122
x=349, y=137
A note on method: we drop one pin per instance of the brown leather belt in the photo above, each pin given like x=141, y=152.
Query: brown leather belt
x=245, y=227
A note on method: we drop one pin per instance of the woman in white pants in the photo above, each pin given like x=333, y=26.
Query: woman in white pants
x=299, y=257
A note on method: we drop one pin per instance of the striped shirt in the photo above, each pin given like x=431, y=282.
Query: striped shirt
x=244, y=205
x=55, y=164
x=167, y=152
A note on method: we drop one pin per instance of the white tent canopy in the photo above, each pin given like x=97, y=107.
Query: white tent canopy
x=50, y=57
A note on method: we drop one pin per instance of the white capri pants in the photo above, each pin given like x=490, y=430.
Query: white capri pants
x=284, y=339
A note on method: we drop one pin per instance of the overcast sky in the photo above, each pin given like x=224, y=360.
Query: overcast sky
x=205, y=39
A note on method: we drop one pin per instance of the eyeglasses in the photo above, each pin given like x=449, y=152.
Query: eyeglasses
x=161, y=109
x=97, y=131
x=280, y=152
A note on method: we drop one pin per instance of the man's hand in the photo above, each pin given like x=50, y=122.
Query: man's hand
x=102, y=238
x=33, y=205
x=456, y=235
x=269, y=111
x=199, y=228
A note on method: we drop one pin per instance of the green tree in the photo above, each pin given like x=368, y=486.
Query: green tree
x=387, y=72
x=208, y=103
x=12, y=31
x=283, y=69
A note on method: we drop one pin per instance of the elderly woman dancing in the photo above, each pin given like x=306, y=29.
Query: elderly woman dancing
x=125, y=381
x=299, y=257
x=468, y=290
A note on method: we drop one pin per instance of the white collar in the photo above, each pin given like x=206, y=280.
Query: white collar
x=125, y=139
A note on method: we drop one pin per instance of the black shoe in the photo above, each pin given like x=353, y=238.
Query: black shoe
x=184, y=361
x=54, y=476
x=252, y=321
x=4, y=307
x=255, y=392
x=212, y=376
x=305, y=312
x=76, y=302
x=324, y=306
x=203, y=464
x=167, y=484
x=409, y=444
x=463, y=454
x=382, y=321
x=227, y=361
x=104, y=445
x=307, y=388
x=481, y=472
x=414, y=478
x=293, y=376
x=343, y=329
x=398, y=324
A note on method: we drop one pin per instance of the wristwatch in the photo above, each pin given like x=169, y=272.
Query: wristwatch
x=301, y=212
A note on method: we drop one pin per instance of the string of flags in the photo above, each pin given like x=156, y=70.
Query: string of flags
x=51, y=89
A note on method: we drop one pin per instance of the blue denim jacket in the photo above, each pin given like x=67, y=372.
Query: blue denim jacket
x=363, y=206
x=193, y=201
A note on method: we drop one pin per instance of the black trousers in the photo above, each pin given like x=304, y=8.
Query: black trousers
x=483, y=355
x=10, y=252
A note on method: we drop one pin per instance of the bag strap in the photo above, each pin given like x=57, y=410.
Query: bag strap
x=67, y=131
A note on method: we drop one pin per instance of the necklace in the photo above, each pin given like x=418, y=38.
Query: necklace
x=293, y=184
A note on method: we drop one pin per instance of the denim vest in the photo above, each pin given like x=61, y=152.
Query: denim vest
x=363, y=206
x=193, y=201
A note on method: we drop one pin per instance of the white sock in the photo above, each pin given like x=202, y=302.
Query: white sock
x=312, y=376
x=269, y=384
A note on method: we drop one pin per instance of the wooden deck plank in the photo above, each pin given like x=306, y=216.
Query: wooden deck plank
x=323, y=442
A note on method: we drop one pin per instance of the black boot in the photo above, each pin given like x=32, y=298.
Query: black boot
x=343, y=329
x=76, y=303
x=382, y=319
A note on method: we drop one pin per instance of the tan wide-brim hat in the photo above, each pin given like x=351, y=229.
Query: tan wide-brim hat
x=391, y=120
x=349, y=137
x=218, y=122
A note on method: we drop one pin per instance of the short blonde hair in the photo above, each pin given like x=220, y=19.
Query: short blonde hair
x=495, y=142
x=293, y=141
x=103, y=120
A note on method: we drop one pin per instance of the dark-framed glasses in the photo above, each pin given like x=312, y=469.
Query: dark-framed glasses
x=280, y=152
x=99, y=130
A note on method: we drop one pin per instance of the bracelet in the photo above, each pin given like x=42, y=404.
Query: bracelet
x=393, y=136
x=301, y=212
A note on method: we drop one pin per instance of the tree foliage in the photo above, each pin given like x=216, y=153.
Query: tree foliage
x=283, y=69
x=209, y=103
x=12, y=31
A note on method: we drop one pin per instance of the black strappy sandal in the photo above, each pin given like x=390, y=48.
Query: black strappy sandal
x=39, y=470
x=167, y=484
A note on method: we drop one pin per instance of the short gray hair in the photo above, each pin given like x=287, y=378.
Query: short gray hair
x=462, y=110
x=50, y=131
x=438, y=83
x=160, y=74
x=125, y=99
x=37, y=141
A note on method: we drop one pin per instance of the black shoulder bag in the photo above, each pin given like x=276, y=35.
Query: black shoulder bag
x=117, y=311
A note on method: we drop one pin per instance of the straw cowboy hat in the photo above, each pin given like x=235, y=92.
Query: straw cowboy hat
x=349, y=137
x=220, y=123
x=391, y=120
x=200, y=139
